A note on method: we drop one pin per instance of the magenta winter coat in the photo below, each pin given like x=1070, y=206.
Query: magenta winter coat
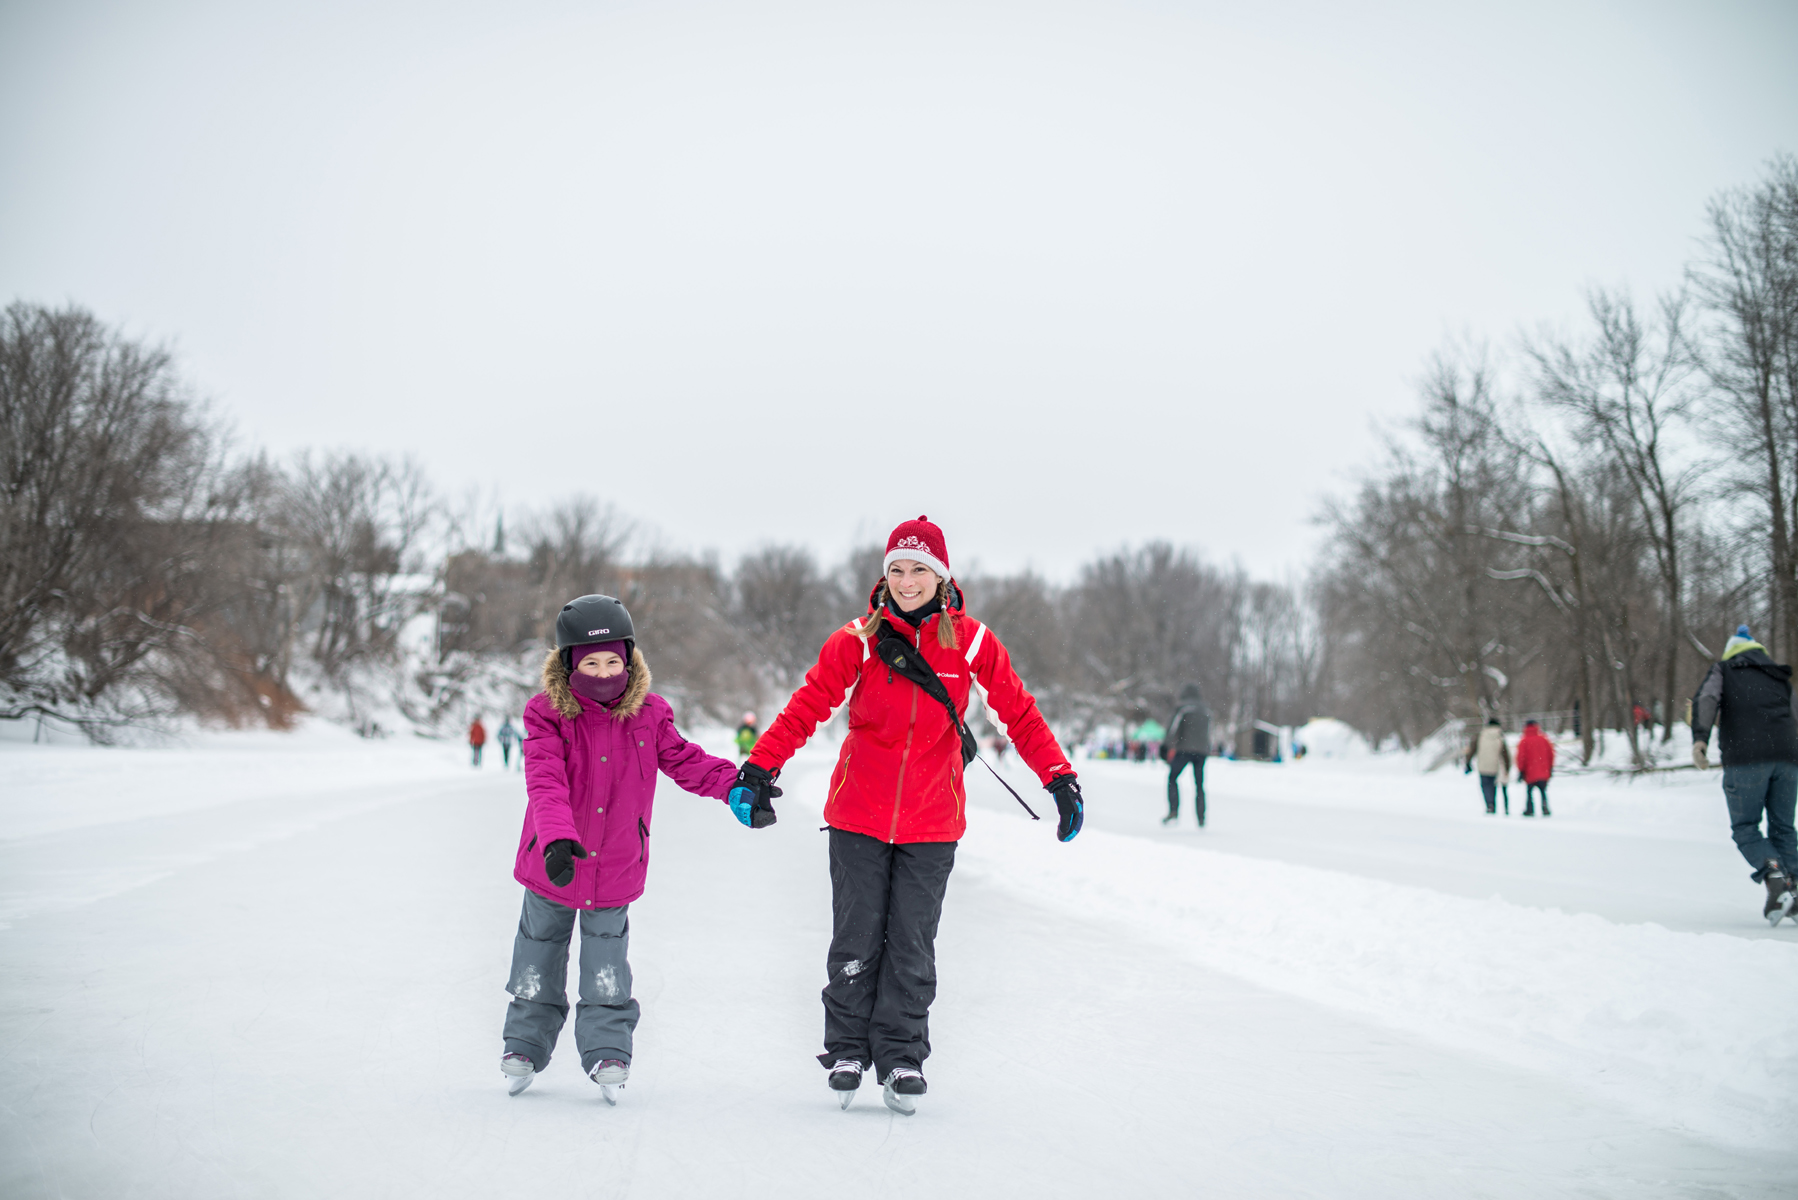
x=591, y=776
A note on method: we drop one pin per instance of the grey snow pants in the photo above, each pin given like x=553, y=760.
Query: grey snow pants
x=606, y=1016
x=885, y=902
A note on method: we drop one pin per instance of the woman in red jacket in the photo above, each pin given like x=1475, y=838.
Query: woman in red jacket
x=896, y=804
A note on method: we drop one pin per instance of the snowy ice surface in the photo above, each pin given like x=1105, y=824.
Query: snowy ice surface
x=266, y=966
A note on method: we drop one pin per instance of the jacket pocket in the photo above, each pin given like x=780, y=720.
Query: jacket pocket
x=533, y=844
x=642, y=841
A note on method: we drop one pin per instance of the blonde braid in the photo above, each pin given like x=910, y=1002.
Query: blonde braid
x=945, y=623
x=872, y=621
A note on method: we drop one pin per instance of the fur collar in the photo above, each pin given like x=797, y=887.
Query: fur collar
x=555, y=686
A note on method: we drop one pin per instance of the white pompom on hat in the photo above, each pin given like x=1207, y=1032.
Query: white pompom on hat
x=919, y=541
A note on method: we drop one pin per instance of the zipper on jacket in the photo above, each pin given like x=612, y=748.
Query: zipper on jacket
x=899, y=788
x=642, y=840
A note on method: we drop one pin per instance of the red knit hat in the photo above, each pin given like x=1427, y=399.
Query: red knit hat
x=919, y=541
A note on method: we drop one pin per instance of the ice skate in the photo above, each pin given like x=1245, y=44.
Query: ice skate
x=902, y=1089
x=1780, y=895
x=519, y=1071
x=610, y=1074
x=845, y=1079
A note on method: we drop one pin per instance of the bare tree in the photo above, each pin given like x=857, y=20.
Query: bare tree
x=1408, y=588
x=1150, y=620
x=1749, y=277
x=785, y=607
x=1629, y=388
x=106, y=510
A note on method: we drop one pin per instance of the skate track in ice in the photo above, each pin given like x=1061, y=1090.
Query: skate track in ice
x=265, y=967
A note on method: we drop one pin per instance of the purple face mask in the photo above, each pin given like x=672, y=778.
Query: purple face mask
x=602, y=691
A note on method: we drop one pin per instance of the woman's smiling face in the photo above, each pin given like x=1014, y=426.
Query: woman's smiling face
x=910, y=584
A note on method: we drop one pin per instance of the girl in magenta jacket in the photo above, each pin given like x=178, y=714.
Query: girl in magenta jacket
x=597, y=738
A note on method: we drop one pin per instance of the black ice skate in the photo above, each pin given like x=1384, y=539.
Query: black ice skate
x=1780, y=895
x=903, y=1087
x=845, y=1078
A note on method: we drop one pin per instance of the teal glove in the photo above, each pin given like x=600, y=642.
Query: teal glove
x=749, y=799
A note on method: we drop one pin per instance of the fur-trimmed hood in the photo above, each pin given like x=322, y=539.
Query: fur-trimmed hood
x=555, y=686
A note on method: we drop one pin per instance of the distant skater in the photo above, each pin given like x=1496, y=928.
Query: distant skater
x=1188, y=737
x=1492, y=757
x=1748, y=698
x=1535, y=763
x=477, y=737
x=508, y=734
x=598, y=736
x=746, y=735
x=896, y=803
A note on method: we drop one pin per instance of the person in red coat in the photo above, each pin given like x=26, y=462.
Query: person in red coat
x=896, y=803
x=1535, y=763
x=477, y=737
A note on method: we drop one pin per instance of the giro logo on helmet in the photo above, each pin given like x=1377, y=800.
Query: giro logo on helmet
x=597, y=632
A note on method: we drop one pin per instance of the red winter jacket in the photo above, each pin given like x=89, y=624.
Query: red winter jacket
x=1535, y=757
x=899, y=775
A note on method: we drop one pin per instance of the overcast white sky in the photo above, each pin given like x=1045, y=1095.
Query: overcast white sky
x=1061, y=274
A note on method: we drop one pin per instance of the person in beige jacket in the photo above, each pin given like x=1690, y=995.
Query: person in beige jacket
x=1488, y=752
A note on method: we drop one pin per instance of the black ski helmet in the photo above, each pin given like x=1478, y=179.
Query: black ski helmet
x=591, y=619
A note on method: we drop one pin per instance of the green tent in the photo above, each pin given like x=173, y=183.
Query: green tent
x=1149, y=731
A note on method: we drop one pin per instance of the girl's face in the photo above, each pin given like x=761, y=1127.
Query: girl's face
x=910, y=584
x=602, y=664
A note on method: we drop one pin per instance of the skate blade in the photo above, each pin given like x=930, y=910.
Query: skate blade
x=905, y=1106
x=845, y=1099
x=609, y=1092
x=518, y=1083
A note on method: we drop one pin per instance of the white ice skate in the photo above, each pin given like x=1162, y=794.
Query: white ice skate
x=519, y=1071
x=610, y=1074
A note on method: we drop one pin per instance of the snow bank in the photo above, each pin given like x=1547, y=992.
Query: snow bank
x=1682, y=1027
x=1326, y=737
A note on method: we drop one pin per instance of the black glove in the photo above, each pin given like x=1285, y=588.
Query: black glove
x=558, y=860
x=750, y=795
x=1066, y=790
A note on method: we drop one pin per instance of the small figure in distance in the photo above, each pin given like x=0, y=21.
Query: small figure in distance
x=1188, y=737
x=1535, y=763
x=1488, y=752
x=746, y=735
x=507, y=735
x=477, y=737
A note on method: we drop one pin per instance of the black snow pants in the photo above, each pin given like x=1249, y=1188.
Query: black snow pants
x=885, y=903
x=1176, y=764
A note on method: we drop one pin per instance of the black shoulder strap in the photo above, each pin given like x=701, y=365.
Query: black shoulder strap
x=903, y=657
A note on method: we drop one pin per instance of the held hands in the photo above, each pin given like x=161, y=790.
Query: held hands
x=558, y=860
x=1701, y=756
x=1068, y=802
x=750, y=796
